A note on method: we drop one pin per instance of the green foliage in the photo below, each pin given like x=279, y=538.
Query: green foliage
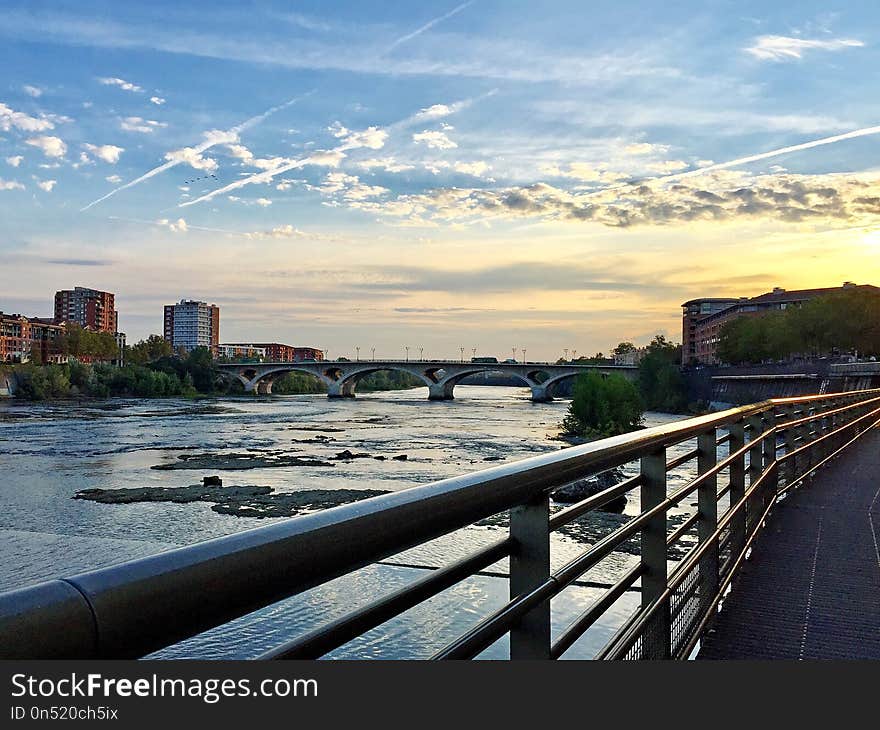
x=661, y=384
x=149, y=350
x=623, y=348
x=81, y=342
x=42, y=382
x=388, y=380
x=603, y=406
x=295, y=383
x=841, y=322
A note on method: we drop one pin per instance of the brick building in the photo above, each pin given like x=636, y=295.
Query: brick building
x=89, y=308
x=278, y=352
x=29, y=338
x=703, y=318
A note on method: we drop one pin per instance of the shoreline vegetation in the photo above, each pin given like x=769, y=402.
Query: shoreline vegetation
x=603, y=406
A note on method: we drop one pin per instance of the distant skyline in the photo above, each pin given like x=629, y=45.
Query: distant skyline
x=483, y=174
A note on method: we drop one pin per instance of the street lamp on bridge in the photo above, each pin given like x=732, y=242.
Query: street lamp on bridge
x=513, y=351
x=462, y=353
x=373, y=351
x=407, y=353
x=421, y=353
x=358, y=358
x=566, y=354
x=524, y=354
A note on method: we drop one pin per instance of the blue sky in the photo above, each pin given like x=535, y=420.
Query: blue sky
x=486, y=174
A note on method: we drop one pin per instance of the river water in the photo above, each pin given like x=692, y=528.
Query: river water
x=50, y=451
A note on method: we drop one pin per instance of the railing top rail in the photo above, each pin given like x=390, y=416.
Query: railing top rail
x=134, y=608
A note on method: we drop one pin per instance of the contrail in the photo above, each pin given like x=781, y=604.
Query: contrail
x=775, y=153
x=865, y=132
x=157, y=223
x=227, y=137
x=427, y=26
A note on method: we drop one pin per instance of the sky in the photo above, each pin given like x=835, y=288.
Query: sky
x=489, y=175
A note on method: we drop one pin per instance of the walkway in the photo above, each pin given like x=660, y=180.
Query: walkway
x=811, y=589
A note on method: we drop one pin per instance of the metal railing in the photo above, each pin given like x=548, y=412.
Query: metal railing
x=763, y=450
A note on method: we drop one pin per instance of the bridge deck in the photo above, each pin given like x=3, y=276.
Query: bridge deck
x=811, y=589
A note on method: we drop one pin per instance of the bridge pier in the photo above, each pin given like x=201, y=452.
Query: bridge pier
x=264, y=387
x=541, y=394
x=340, y=389
x=440, y=391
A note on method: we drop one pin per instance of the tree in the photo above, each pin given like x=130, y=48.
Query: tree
x=623, y=348
x=661, y=384
x=149, y=350
x=603, y=405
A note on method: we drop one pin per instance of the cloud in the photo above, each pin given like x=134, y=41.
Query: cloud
x=34, y=91
x=15, y=160
x=389, y=164
x=371, y=138
x=214, y=137
x=46, y=185
x=157, y=100
x=192, y=157
x=646, y=148
x=107, y=152
x=434, y=139
x=240, y=152
x=427, y=26
x=121, y=83
x=10, y=185
x=11, y=119
x=785, y=48
x=113, y=179
x=77, y=262
x=138, y=124
x=818, y=200
x=178, y=226
x=285, y=231
x=51, y=146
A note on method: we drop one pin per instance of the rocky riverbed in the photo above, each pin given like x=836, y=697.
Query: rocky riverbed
x=241, y=501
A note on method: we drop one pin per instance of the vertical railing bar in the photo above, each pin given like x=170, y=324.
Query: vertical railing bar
x=653, y=551
x=529, y=569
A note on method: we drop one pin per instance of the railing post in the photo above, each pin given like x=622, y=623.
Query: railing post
x=529, y=568
x=769, y=447
x=707, y=507
x=737, y=488
x=656, y=640
x=756, y=468
x=790, y=445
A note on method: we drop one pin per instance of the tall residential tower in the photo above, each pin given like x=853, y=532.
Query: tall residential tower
x=191, y=324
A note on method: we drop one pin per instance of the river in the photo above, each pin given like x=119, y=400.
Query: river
x=49, y=451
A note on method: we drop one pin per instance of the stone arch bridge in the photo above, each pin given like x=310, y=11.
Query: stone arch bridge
x=440, y=376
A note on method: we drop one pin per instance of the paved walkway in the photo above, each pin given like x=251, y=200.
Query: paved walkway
x=811, y=589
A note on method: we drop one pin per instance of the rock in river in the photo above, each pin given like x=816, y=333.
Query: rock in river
x=240, y=501
x=583, y=488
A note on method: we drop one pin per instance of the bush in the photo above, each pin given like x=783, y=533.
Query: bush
x=603, y=406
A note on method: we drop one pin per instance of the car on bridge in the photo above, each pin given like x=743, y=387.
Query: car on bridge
x=484, y=359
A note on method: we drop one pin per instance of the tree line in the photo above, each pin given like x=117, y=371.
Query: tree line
x=843, y=322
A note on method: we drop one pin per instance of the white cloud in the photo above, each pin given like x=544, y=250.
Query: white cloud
x=371, y=137
x=138, y=124
x=34, y=91
x=646, y=148
x=178, y=226
x=107, y=152
x=241, y=152
x=46, y=185
x=477, y=169
x=10, y=185
x=286, y=231
x=51, y=146
x=665, y=167
x=434, y=139
x=15, y=160
x=785, y=48
x=192, y=157
x=263, y=202
x=113, y=179
x=157, y=100
x=121, y=83
x=337, y=130
x=389, y=164
x=10, y=119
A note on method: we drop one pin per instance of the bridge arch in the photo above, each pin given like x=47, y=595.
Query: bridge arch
x=444, y=390
x=349, y=380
